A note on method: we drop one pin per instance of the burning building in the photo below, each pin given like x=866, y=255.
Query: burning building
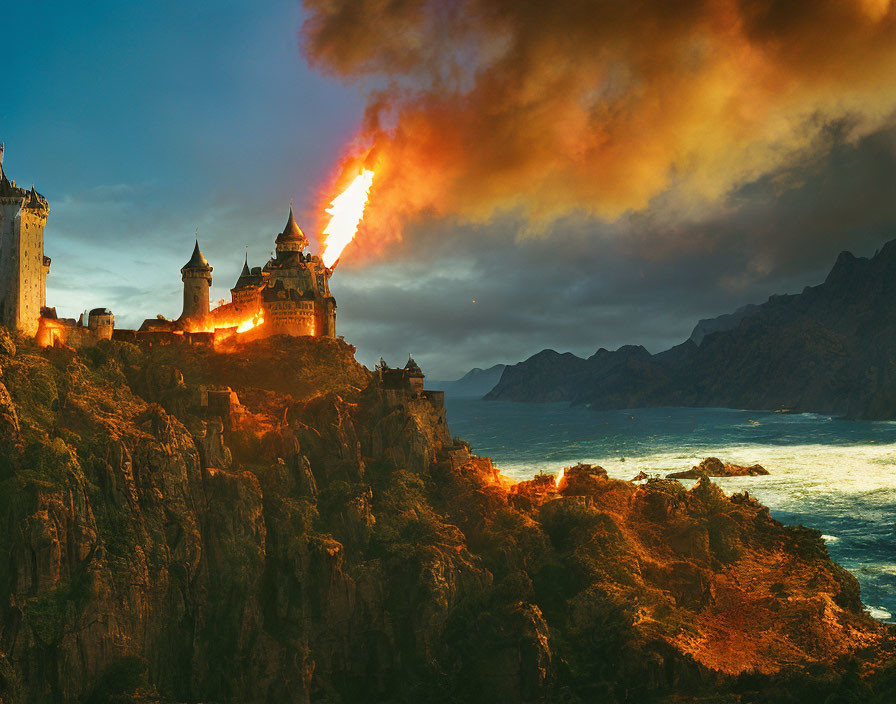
x=289, y=295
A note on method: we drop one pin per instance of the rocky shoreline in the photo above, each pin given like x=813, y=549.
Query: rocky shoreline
x=268, y=524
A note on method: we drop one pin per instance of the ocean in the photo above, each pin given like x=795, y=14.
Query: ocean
x=834, y=475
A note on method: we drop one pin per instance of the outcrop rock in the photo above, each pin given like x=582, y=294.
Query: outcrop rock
x=11, y=447
x=714, y=467
x=212, y=450
x=7, y=345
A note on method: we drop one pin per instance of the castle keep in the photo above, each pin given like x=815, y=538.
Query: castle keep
x=288, y=295
x=23, y=266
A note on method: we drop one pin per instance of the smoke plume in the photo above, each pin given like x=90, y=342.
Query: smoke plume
x=477, y=107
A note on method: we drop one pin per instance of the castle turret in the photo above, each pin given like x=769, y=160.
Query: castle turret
x=101, y=322
x=292, y=239
x=246, y=291
x=23, y=266
x=414, y=375
x=245, y=277
x=197, y=277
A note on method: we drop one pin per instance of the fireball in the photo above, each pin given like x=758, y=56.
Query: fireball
x=252, y=322
x=346, y=211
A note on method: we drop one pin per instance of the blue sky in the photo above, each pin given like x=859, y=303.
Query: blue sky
x=143, y=121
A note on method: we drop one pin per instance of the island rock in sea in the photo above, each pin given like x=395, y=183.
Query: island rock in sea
x=271, y=524
x=714, y=467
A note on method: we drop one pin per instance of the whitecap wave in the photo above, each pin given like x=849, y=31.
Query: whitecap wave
x=876, y=612
x=834, y=475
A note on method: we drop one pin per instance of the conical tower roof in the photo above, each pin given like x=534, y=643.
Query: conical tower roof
x=292, y=233
x=412, y=366
x=245, y=278
x=197, y=261
x=6, y=187
x=34, y=200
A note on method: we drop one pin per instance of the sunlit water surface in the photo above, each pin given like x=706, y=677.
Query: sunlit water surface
x=834, y=475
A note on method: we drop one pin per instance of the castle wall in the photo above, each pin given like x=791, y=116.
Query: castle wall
x=121, y=335
x=415, y=383
x=328, y=328
x=9, y=270
x=435, y=397
x=51, y=333
x=298, y=278
x=288, y=317
x=43, y=281
x=246, y=299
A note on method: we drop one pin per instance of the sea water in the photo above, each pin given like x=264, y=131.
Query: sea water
x=834, y=475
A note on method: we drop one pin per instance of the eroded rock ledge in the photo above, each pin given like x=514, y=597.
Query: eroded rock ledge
x=268, y=526
x=714, y=467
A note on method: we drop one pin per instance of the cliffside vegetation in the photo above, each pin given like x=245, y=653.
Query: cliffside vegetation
x=324, y=541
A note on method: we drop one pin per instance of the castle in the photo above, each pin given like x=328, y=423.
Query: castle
x=289, y=295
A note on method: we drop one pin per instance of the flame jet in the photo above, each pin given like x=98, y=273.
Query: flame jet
x=346, y=210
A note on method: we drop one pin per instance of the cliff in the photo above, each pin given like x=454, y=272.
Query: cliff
x=322, y=541
x=476, y=383
x=721, y=323
x=825, y=350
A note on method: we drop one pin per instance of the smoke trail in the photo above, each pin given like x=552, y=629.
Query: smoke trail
x=547, y=108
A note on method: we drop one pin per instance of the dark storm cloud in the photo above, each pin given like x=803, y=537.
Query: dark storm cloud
x=588, y=284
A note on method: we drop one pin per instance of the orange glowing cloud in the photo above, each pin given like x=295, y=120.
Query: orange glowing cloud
x=561, y=107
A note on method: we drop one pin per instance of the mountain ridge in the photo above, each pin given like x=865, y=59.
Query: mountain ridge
x=474, y=384
x=823, y=350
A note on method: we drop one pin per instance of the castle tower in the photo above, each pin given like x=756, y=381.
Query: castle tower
x=197, y=277
x=292, y=239
x=23, y=266
x=246, y=292
x=414, y=375
x=101, y=322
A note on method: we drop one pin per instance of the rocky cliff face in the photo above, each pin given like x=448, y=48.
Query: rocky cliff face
x=825, y=350
x=721, y=323
x=319, y=542
x=476, y=383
